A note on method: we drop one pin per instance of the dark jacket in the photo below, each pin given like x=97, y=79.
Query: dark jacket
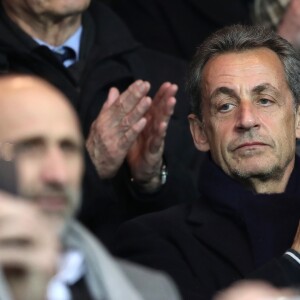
x=228, y=235
x=109, y=56
x=177, y=27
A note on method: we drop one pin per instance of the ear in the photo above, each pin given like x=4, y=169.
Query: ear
x=297, y=127
x=198, y=133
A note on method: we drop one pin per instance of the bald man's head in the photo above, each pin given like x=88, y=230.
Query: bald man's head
x=43, y=128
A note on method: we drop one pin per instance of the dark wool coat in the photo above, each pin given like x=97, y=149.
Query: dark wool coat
x=228, y=234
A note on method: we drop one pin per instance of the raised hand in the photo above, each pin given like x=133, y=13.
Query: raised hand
x=289, y=27
x=145, y=156
x=29, y=248
x=117, y=126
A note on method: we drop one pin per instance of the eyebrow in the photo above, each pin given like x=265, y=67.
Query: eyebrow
x=42, y=140
x=29, y=140
x=223, y=91
x=263, y=87
x=256, y=90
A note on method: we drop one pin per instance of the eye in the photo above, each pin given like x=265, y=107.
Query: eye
x=265, y=102
x=226, y=107
x=30, y=148
x=70, y=147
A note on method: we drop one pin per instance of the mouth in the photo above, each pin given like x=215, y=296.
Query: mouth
x=52, y=203
x=250, y=145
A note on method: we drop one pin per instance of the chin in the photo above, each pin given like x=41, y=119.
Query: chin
x=262, y=172
x=57, y=221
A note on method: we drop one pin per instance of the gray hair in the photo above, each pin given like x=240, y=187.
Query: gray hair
x=239, y=38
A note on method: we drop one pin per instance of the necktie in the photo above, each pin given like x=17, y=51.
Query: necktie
x=66, y=53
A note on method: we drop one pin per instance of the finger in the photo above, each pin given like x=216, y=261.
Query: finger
x=131, y=135
x=296, y=243
x=29, y=259
x=162, y=108
x=23, y=234
x=113, y=95
x=168, y=109
x=135, y=92
x=166, y=91
x=158, y=132
x=137, y=113
x=156, y=144
x=162, y=89
x=157, y=118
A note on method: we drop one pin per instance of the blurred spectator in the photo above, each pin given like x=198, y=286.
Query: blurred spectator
x=48, y=147
x=280, y=15
x=256, y=290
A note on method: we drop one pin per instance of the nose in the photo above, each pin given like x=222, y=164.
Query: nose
x=247, y=116
x=54, y=169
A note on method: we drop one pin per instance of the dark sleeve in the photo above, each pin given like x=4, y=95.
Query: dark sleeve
x=281, y=272
x=182, y=158
x=109, y=203
x=137, y=242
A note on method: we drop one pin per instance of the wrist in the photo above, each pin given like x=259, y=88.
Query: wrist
x=155, y=183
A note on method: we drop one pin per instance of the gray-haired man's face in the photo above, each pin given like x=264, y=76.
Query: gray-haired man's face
x=250, y=125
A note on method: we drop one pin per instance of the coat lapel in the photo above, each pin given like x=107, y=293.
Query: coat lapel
x=222, y=235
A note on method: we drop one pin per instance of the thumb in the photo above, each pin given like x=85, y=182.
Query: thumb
x=113, y=95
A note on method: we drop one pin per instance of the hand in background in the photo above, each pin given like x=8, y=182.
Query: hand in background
x=117, y=126
x=131, y=126
x=145, y=157
x=29, y=248
x=289, y=27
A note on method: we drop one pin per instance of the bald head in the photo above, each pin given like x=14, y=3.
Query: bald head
x=44, y=131
x=23, y=99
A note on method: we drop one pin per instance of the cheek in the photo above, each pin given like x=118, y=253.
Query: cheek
x=27, y=174
x=75, y=171
x=218, y=133
x=285, y=130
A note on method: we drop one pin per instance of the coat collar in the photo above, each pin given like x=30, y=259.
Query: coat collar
x=111, y=37
x=221, y=235
x=245, y=228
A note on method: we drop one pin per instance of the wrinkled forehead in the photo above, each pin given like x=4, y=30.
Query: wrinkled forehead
x=246, y=68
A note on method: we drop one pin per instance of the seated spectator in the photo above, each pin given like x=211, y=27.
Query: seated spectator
x=47, y=146
x=244, y=86
x=139, y=163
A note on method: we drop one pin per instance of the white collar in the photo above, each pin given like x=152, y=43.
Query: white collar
x=71, y=268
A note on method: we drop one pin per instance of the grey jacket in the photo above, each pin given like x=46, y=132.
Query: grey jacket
x=117, y=279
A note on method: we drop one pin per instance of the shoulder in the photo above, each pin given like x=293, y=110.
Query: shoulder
x=154, y=231
x=158, y=220
x=150, y=283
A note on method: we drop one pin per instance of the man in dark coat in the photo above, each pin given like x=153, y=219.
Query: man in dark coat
x=127, y=139
x=245, y=98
